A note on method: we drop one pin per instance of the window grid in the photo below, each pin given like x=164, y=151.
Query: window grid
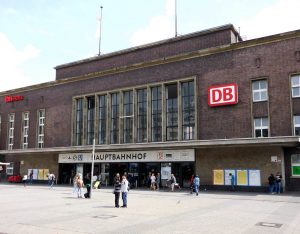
x=102, y=119
x=172, y=112
x=90, y=120
x=11, y=131
x=128, y=116
x=79, y=121
x=25, y=129
x=188, y=110
x=41, y=128
x=297, y=125
x=295, y=163
x=156, y=114
x=142, y=115
x=260, y=90
x=261, y=127
x=295, y=86
x=114, y=132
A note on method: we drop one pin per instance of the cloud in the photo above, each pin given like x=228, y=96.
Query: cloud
x=160, y=27
x=11, y=60
x=280, y=17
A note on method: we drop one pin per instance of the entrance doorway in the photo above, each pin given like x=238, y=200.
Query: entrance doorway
x=120, y=168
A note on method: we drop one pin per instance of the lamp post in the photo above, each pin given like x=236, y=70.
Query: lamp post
x=92, y=169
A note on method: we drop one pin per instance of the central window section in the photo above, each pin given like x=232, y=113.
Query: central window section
x=90, y=120
x=142, y=115
x=172, y=112
x=102, y=119
x=128, y=116
x=114, y=121
x=156, y=115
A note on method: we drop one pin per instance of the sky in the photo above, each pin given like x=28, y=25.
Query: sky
x=37, y=35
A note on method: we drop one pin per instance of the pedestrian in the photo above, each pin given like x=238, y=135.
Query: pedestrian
x=87, y=182
x=158, y=181
x=24, y=180
x=271, y=180
x=153, y=181
x=31, y=177
x=173, y=182
x=75, y=188
x=124, y=190
x=80, y=185
x=51, y=180
x=117, y=190
x=192, y=183
x=278, y=182
x=196, y=184
x=231, y=177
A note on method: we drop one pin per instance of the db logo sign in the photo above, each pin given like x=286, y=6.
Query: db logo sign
x=223, y=95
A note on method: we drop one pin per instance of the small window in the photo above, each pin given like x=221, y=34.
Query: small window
x=295, y=162
x=260, y=90
x=297, y=125
x=295, y=86
x=261, y=127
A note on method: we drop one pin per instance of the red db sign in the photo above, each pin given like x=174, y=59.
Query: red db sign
x=223, y=95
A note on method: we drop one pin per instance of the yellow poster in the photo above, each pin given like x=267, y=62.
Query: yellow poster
x=41, y=174
x=46, y=173
x=218, y=177
x=242, y=177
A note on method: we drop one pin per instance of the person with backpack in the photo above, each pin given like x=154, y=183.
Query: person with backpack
x=196, y=184
x=271, y=180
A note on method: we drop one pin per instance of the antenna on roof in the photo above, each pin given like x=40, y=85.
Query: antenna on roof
x=101, y=7
x=175, y=18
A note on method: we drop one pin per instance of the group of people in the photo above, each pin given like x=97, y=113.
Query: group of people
x=121, y=187
x=79, y=183
x=275, y=183
x=154, y=181
x=29, y=179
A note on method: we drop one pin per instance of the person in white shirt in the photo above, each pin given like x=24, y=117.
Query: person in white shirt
x=124, y=190
x=153, y=181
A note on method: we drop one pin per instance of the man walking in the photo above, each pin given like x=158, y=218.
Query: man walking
x=196, y=184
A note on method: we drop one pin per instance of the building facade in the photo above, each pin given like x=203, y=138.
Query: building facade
x=205, y=103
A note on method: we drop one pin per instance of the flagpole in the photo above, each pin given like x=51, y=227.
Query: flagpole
x=175, y=18
x=92, y=169
x=101, y=7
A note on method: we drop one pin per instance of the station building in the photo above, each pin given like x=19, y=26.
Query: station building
x=204, y=103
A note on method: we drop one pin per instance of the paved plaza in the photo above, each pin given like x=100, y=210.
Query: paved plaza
x=39, y=209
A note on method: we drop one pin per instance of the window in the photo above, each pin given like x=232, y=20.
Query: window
x=142, y=115
x=114, y=132
x=90, y=119
x=188, y=110
x=41, y=128
x=102, y=119
x=297, y=125
x=11, y=125
x=260, y=90
x=261, y=127
x=25, y=129
x=295, y=86
x=0, y=125
x=295, y=162
x=10, y=169
x=79, y=122
x=172, y=112
x=127, y=116
x=156, y=114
